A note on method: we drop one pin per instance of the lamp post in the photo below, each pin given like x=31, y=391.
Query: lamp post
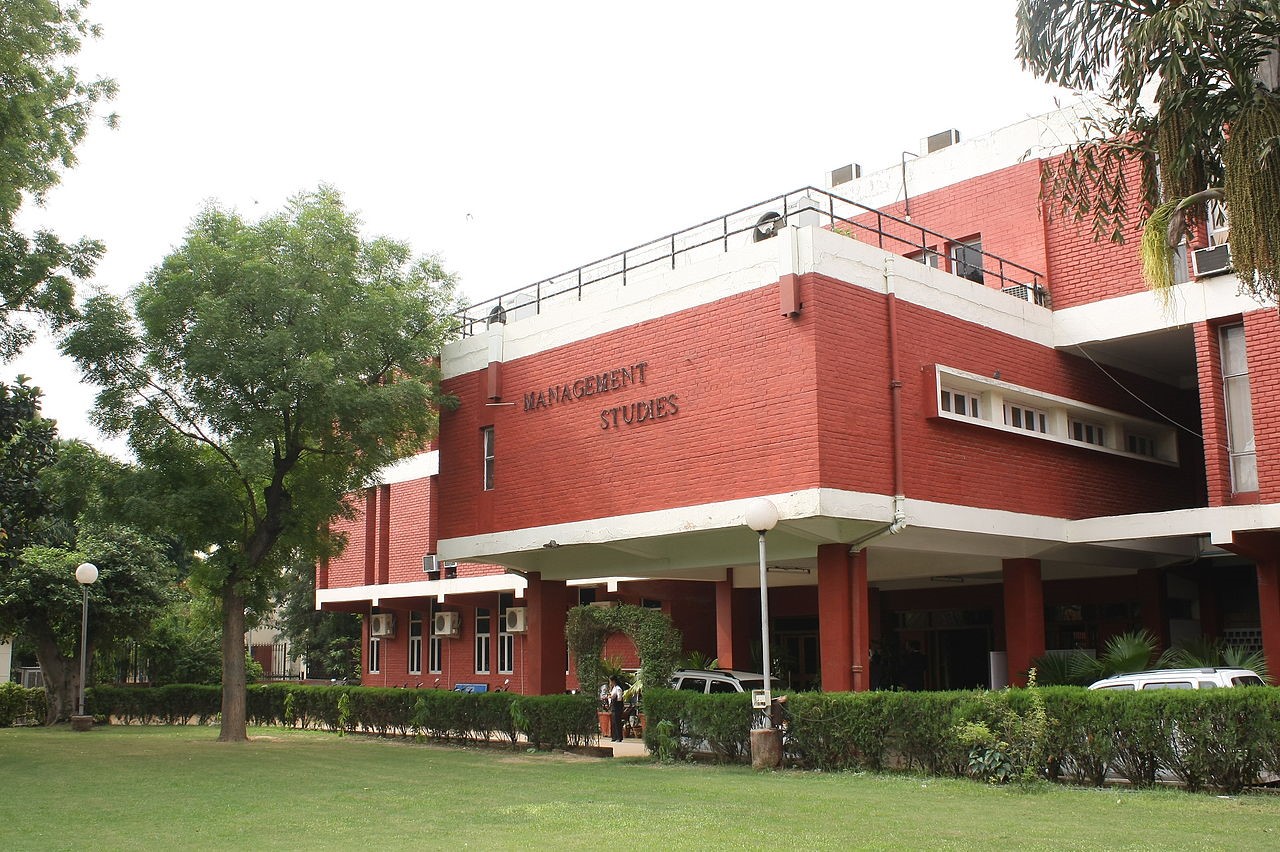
x=762, y=516
x=86, y=574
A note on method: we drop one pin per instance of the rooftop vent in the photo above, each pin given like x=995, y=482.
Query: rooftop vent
x=938, y=141
x=844, y=174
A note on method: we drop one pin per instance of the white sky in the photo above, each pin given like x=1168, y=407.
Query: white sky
x=516, y=140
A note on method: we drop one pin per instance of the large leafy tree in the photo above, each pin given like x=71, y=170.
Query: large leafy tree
x=262, y=371
x=27, y=446
x=45, y=111
x=42, y=600
x=1193, y=106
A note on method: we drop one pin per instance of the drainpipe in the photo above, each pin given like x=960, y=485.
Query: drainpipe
x=899, y=522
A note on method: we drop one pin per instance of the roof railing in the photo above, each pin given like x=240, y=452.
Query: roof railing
x=761, y=221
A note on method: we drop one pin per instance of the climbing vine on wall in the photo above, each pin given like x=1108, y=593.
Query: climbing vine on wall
x=658, y=642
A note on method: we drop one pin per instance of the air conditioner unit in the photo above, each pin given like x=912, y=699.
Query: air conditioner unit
x=605, y=604
x=445, y=624
x=431, y=565
x=382, y=624
x=1207, y=262
x=517, y=619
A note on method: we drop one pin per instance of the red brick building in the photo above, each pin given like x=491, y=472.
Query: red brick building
x=985, y=437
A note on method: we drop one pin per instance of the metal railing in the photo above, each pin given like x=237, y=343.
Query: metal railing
x=807, y=205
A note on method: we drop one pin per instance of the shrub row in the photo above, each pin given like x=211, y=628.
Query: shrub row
x=545, y=720
x=21, y=706
x=1221, y=739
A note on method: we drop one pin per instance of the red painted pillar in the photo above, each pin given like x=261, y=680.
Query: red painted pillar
x=861, y=622
x=547, y=603
x=1269, y=610
x=370, y=534
x=1023, y=616
x=384, y=533
x=835, y=617
x=724, y=623
x=1153, y=600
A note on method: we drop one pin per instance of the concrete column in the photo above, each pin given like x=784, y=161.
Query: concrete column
x=843, y=625
x=547, y=602
x=724, y=623
x=1153, y=599
x=1269, y=610
x=835, y=617
x=1023, y=616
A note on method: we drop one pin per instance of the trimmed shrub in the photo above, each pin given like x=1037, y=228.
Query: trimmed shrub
x=556, y=721
x=19, y=705
x=840, y=730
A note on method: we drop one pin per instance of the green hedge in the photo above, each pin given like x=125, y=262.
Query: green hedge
x=546, y=720
x=22, y=706
x=1222, y=739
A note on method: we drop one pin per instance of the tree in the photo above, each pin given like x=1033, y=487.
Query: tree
x=44, y=115
x=43, y=601
x=1213, y=132
x=27, y=447
x=263, y=371
x=329, y=641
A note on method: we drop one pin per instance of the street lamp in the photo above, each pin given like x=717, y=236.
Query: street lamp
x=762, y=516
x=86, y=574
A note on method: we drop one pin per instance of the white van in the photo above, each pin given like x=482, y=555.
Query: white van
x=1207, y=678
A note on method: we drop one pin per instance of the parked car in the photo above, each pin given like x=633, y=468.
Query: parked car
x=1206, y=678
x=716, y=680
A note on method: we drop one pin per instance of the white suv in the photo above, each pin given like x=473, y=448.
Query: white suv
x=716, y=680
x=1208, y=678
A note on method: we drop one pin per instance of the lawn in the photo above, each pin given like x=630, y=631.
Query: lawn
x=176, y=788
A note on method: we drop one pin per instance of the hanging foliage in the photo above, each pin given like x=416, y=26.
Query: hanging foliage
x=657, y=640
x=1252, y=160
x=1157, y=257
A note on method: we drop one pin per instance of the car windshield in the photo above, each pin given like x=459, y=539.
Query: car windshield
x=1247, y=680
x=750, y=683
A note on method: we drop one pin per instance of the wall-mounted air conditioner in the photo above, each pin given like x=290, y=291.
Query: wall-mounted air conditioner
x=445, y=624
x=605, y=604
x=382, y=624
x=1215, y=260
x=517, y=619
x=431, y=565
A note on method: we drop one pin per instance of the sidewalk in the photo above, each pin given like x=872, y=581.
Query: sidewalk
x=627, y=748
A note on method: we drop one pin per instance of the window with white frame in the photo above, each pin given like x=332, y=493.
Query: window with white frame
x=415, y=642
x=482, y=640
x=375, y=655
x=928, y=257
x=1140, y=445
x=966, y=260
x=487, y=443
x=960, y=402
x=1024, y=417
x=994, y=404
x=1089, y=433
x=1238, y=399
x=506, y=641
x=435, y=655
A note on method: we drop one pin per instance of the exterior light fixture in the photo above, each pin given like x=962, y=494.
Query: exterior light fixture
x=762, y=516
x=86, y=575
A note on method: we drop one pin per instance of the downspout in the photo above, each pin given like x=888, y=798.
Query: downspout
x=899, y=522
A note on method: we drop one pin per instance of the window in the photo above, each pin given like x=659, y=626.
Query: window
x=1140, y=445
x=1089, y=433
x=375, y=655
x=1022, y=417
x=928, y=257
x=435, y=655
x=966, y=260
x=959, y=402
x=506, y=641
x=415, y=643
x=1239, y=404
x=487, y=434
x=482, y=640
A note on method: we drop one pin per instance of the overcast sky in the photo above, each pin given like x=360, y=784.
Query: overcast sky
x=516, y=140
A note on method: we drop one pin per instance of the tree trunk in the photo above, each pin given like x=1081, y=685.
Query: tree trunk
x=61, y=679
x=233, y=728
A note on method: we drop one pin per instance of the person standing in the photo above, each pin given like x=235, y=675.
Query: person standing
x=615, y=708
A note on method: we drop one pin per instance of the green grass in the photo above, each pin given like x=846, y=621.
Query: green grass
x=176, y=788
